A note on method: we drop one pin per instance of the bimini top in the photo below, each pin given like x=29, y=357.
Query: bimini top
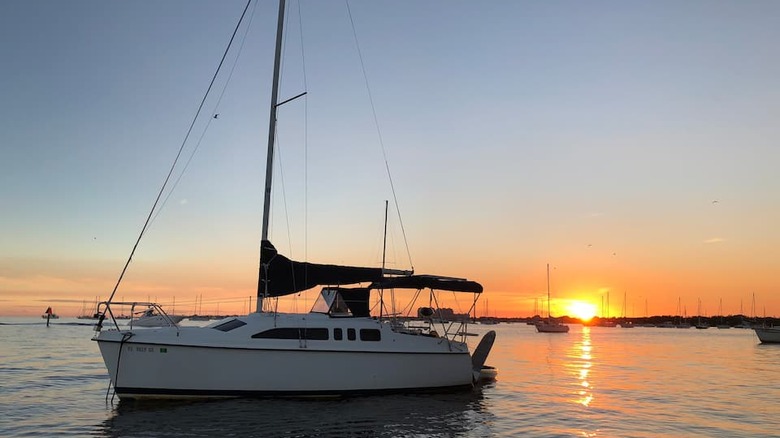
x=285, y=276
x=429, y=281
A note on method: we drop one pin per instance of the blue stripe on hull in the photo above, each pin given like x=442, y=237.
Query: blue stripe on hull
x=135, y=393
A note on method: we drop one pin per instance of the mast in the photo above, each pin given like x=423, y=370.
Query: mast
x=624, y=304
x=753, y=307
x=548, y=292
x=384, y=239
x=261, y=290
x=384, y=252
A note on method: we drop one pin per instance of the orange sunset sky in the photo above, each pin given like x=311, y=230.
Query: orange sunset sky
x=632, y=146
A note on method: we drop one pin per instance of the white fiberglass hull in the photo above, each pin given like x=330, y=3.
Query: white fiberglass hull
x=768, y=335
x=206, y=362
x=552, y=327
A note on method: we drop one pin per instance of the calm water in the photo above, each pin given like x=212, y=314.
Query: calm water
x=610, y=382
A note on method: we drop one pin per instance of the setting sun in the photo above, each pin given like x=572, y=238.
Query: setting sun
x=583, y=311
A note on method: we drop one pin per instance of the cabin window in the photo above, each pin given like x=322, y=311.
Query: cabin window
x=370, y=335
x=351, y=334
x=339, y=307
x=313, y=334
x=321, y=304
x=338, y=334
x=230, y=325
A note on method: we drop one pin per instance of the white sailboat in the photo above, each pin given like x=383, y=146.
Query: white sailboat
x=550, y=325
x=337, y=348
x=768, y=335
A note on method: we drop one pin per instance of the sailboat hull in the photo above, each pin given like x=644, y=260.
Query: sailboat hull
x=552, y=327
x=169, y=363
x=768, y=335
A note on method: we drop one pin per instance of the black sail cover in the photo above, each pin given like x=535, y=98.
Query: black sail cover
x=285, y=276
x=428, y=281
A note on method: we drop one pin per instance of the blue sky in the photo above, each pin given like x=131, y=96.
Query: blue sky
x=518, y=133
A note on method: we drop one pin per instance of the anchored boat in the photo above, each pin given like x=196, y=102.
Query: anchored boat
x=338, y=348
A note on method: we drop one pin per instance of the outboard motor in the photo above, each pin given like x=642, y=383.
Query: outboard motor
x=481, y=353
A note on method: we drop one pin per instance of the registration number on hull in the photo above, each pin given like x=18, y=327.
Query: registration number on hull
x=139, y=349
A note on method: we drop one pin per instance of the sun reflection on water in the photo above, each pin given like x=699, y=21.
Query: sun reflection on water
x=584, y=395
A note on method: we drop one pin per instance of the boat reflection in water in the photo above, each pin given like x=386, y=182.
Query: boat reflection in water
x=453, y=414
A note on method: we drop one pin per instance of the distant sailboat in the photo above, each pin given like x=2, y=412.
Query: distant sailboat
x=722, y=324
x=487, y=319
x=85, y=315
x=605, y=321
x=624, y=322
x=701, y=325
x=535, y=318
x=768, y=335
x=750, y=322
x=681, y=324
x=549, y=325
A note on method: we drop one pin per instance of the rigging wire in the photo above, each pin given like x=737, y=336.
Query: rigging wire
x=278, y=157
x=305, y=145
x=277, y=142
x=305, y=154
x=178, y=155
x=379, y=133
